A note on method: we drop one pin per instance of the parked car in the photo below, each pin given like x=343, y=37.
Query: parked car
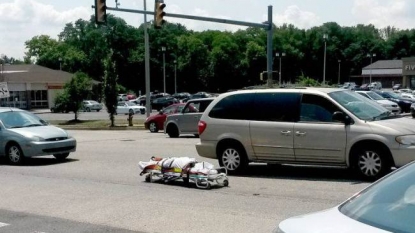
x=23, y=135
x=391, y=106
x=89, y=105
x=127, y=107
x=407, y=95
x=413, y=110
x=385, y=206
x=364, y=87
x=182, y=96
x=375, y=86
x=404, y=103
x=310, y=126
x=122, y=97
x=349, y=85
x=163, y=102
x=155, y=123
x=397, y=86
x=185, y=122
x=60, y=107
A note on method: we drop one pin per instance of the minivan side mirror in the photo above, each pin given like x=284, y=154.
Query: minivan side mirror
x=341, y=117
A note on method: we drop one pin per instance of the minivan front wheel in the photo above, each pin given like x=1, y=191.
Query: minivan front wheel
x=371, y=163
x=233, y=158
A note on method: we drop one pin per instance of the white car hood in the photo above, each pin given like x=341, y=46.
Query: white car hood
x=327, y=221
x=47, y=131
x=386, y=102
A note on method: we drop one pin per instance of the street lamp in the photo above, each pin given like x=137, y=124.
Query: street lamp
x=175, y=75
x=279, y=71
x=60, y=63
x=338, y=79
x=325, y=37
x=163, y=49
x=371, y=57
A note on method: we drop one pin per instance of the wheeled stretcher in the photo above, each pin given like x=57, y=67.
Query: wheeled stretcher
x=203, y=174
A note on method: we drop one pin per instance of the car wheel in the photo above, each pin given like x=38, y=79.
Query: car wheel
x=88, y=109
x=413, y=114
x=61, y=156
x=14, y=154
x=98, y=110
x=233, y=158
x=172, y=131
x=371, y=163
x=153, y=127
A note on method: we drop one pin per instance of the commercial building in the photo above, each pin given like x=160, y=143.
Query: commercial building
x=32, y=86
x=389, y=72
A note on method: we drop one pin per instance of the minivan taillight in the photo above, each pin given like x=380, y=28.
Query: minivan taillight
x=201, y=126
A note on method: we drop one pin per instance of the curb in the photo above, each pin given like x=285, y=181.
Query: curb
x=66, y=127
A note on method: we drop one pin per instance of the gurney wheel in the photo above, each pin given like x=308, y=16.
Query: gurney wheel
x=226, y=183
x=186, y=181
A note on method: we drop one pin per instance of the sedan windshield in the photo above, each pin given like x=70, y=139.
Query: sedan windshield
x=374, y=96
x=20, y=119
x=389, y=204
x=361, y=107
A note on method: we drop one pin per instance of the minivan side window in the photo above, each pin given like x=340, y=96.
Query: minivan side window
x=276, y=107
x=236, y=107
x=316, y=108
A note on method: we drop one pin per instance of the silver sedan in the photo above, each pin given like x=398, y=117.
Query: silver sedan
x=23, y=134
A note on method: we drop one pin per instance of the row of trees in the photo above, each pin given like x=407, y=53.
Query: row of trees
x=214, y=61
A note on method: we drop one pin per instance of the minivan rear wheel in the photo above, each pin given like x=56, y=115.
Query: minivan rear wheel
x=371, y=163
x=172, y=131
x=233, y=158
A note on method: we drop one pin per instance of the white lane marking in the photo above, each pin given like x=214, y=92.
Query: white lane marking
x=3, y=224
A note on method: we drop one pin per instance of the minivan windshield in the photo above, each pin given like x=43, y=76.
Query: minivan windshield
x=361, y=107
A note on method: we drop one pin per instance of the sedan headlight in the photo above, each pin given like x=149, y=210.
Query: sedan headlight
x=406, y=139
x=36, y=138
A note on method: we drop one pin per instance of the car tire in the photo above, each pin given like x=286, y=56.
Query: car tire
x=413, y=115
x=233, y=157
x=172, y=131
x=14, y=154
x=152, y=126
x=371, y=163
x=62, y=156
x=87, y=109
x=98, y=110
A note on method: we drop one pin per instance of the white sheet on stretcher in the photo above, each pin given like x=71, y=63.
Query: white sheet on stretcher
x=180, y=162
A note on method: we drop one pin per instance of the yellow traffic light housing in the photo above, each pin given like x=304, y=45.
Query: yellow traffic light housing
x=100, y=12
x=159, y=13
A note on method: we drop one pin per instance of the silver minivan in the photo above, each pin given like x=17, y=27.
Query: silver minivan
x=313, y=126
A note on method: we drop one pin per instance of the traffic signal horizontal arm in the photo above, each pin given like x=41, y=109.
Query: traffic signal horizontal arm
x=226, y=21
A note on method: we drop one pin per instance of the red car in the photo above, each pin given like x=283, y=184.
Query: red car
x=156, y=122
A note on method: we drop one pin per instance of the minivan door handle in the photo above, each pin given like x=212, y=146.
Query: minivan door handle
x=299, y=133
x=286, y=133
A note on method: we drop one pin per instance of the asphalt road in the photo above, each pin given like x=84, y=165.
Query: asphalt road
x=99, y=189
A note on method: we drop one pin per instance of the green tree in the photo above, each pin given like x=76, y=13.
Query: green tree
x=77, y=89
x=110, y=87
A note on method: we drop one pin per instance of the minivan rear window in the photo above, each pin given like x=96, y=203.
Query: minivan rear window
x=237, y=107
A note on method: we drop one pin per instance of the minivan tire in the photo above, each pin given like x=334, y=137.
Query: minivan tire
x=371, y=163
x=233, y=158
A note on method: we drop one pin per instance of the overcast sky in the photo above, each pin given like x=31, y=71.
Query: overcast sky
x=20, y=20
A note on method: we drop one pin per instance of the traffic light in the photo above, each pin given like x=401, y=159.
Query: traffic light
x=159, y=13
x=100, y=11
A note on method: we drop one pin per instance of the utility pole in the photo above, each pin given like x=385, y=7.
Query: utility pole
x=325, y=36
x=147, y=63
x=175, y=76
x=338, y=79
x=163, y=49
